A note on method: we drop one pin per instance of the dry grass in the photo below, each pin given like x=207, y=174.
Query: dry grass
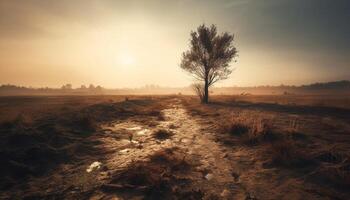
x=20, y=123
x=340, y=101
x=295, y=141
x=286, y=153
x=256, y=130
x=334, y=167
x=288, y=150
x=336, y=174
x=261, y=131
x=235, y=126
x=250, y=129
x=155, y=179
x=86, y=123
x=56, y=130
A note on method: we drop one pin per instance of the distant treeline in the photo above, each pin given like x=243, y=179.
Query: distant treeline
x=329, y=85
x=66, y=89
x=336, y=87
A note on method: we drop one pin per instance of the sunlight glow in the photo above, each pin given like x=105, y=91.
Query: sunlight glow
x=126, y=59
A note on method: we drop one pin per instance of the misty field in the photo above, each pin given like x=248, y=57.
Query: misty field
x=173, y=147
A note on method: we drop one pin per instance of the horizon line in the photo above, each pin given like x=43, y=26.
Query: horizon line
x=160, y=86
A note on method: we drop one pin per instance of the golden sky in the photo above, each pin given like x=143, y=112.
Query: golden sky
x=133, y=43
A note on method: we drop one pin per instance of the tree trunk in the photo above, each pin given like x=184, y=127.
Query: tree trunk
x=206, y=92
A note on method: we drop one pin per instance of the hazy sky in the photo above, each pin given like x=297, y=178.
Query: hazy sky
x=132, y=43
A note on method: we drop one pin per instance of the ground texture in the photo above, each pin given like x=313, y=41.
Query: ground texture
x=174, y=151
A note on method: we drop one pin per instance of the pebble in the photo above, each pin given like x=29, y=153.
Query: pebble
x=209, y=177
x=93, y=166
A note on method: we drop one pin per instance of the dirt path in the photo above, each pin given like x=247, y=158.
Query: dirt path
x=212, y=176
x=123, y=143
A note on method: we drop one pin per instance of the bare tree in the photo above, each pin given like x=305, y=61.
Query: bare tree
x=209, y=56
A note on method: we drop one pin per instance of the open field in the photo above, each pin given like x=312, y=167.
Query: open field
x=172, y=147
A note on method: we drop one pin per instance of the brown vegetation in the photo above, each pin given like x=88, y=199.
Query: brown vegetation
x=35, y=143
x=292, y=138
x=155, y=179
x=261, y=150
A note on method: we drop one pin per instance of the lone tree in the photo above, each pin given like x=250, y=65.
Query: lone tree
x=208, y=58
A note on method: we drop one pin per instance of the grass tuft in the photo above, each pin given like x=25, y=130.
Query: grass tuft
x=286, y=153
x=250, y=130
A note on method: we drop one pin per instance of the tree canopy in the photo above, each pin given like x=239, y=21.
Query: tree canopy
x=209, y=56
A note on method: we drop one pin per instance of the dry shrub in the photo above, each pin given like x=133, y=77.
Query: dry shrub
x=337, y=174
x=250, y=130
x=293, y=130
x=234, y=127
x=162, y=134
x=286, y=153
x=260, y=131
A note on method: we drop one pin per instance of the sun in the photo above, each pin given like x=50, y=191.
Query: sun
x=126, y=59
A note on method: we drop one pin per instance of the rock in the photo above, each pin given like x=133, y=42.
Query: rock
x=209, y=176
x=124, y=151
x=93, y=166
